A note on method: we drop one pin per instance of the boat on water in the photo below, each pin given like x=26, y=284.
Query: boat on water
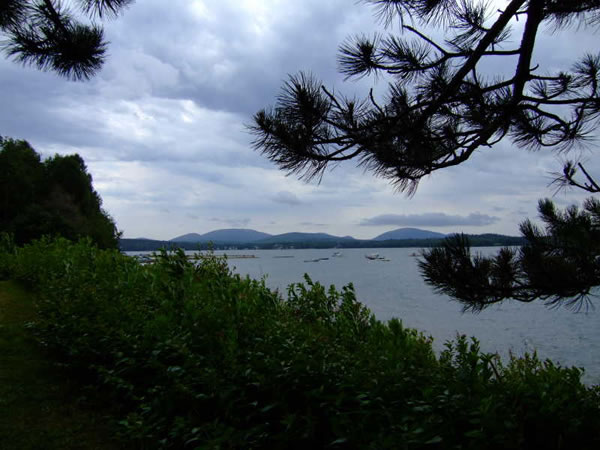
x=144, y=259
x=199, y=256
x=376, y=257
x=337, y=255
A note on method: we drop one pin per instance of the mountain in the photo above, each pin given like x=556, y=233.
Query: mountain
x=302, y=237
x=316, y=240
x=231, y=235
x=409, y=233
x=190, y=237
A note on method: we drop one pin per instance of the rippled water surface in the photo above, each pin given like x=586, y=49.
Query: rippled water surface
x=395, y=289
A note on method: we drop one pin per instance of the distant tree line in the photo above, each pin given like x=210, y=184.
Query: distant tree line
x=50, y=197
x=478, y=240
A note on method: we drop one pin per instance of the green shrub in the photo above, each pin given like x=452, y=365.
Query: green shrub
x=197, y=357
x=7, y=255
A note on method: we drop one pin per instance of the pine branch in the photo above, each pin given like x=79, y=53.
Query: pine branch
x=42, y=33
x=558, y=266
x=439, y=110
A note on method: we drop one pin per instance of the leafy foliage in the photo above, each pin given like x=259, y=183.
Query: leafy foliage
x=196, y=357
x=54, y=196
x=45, y=33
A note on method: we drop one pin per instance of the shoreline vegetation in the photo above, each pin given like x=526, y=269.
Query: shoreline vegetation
x=41, y=405
x=193, y=356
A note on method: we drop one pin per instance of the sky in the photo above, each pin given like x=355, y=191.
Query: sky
x=163, y=126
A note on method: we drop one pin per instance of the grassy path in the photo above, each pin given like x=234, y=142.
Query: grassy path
x=38, y=408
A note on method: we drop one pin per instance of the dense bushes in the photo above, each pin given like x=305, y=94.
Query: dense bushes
x=195, y=357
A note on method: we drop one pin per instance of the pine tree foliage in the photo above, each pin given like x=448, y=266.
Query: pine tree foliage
x=47, y=34
x=440, y=108
x=559, y=265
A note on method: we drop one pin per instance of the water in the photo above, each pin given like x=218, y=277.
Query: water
x=396, y=289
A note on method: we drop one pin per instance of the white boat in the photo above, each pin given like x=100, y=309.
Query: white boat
x=376, y=257
x=336, y=255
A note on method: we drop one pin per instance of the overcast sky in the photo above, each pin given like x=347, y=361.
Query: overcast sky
x=162, y=127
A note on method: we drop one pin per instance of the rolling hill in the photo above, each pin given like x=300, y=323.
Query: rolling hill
x=409, y=233
x=232, y=235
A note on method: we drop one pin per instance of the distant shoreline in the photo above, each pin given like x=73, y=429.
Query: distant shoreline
x=480, y=240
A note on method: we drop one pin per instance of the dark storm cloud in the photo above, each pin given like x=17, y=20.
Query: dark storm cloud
x=223, y=59
x=430, y=220
x=226, y=58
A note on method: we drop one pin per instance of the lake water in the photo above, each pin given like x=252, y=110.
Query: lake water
x=396, y=289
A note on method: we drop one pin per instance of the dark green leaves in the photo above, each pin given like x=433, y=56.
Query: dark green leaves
x=54, y=197
x=193, y=355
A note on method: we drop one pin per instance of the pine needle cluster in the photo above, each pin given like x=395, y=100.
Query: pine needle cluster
x=48, y=35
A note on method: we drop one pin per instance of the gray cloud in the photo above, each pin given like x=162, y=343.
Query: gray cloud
x=162, y=127
x=287, y=198
x=234, y=223
x=313, y=224
x=430, y=220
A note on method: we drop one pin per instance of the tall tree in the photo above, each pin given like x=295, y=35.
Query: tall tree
x=54, y=197
x=46, y=34
x=440, y=108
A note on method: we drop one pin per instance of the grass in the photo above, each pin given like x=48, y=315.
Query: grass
x=39, y=405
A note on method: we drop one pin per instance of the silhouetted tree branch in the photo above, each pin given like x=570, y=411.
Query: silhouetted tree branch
x=567, y=178
x=559, y=265
x=439, y=109
x=45, y=34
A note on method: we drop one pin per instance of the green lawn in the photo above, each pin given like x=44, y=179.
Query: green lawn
x=39, y=406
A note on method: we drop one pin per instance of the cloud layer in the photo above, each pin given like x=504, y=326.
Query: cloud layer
x=163, y=127
x=431, y=220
